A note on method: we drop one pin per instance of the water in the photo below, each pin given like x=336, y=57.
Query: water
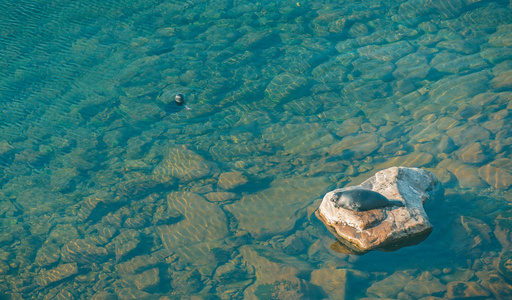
x=106, y=194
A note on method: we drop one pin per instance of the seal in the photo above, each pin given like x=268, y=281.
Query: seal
x=358, y=199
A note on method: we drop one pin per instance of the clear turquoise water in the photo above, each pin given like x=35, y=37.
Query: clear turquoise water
x=106, y=193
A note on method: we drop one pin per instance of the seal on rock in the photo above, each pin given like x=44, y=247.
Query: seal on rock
x=359, y=199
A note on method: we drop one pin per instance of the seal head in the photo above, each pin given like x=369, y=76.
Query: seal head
x=359, y=199
x=179, y=99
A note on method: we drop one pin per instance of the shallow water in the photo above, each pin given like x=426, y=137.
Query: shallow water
x=108, y=192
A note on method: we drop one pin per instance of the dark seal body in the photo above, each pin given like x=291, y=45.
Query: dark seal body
x=359, y=199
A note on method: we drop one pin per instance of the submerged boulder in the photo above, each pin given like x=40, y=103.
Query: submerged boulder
x=385, y=225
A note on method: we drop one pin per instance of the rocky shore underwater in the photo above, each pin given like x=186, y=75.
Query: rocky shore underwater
x=105, y=195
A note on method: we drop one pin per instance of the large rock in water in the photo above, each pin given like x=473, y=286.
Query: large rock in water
x=378, y=225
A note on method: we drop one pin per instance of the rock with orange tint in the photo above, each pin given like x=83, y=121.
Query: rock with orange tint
x=467, y=175
x=498, y=173
x=59, y=273
x=401, y=222
x=231, y=180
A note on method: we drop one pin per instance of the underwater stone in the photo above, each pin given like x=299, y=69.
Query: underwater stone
x=502, y=81
x=498, y=173
x=277, y=275
x=147, y=280
x=103, y=295
x=183, y=164
x=126, y=242
x=57, y=274
x=424, y=285
x=261, y=213
x=467, y=175
x=492, y=281
x=348, y=127
x=332, y=281
x=401, y=223
x=284, y=86
x=231, y=180
x=446, y=145
x=455, y=63
x=463, y=290
x=390, y=286
x=137, y=264
x=201, y=221
x=220, y=196
x=48, y=254
x=417, y=159
x=360, y=145
x=303, y=106
x=83, y=252
x=473, y=154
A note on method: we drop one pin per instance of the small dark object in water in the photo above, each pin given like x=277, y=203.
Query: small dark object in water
x=179, y=99
x=359, y=199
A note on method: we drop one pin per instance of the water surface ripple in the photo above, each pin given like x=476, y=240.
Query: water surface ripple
x=111, y=191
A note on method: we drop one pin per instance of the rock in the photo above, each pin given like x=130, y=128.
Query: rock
x=471, y=236
x=446, y=145
x=471, y=134
x=495, y=283
x=387, y=52
x=390, y=286
x=303, y=106
x=262, y=213
x=503, y=230
x=454, y=63
x=390, y=132
x=277, y=275
x=405, y=221
x=332, y=281
x=57, y=274
x=298, y=138
x=496, y=55
x=284, y=86
x=231, y=180
x=126, y=242
x=360, y=145
x=467, y=175
x=183, y=164
x=415, y=159
x=502, y=37
x=425, y=285
x=187, y=282
x=256, y=39
x=166, y=215
x=103, y=295
x=349, y=126
x=458, y=274
x=48, y=254
x=505, y=264
x=502, y=81
x=473, y=154
x=83, y=252
x=463, y=290
x=453, y=88
x=220, y=196
x=412, y=66
x=201, y=221
x=293, y=245
x=137, y=264
x=498, y=173
x=147, y=280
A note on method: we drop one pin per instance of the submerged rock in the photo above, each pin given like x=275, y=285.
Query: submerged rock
x=276, y=209
x=400, y=222
x=277, y=275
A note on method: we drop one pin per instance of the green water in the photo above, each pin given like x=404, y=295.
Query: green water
x=109, y=192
